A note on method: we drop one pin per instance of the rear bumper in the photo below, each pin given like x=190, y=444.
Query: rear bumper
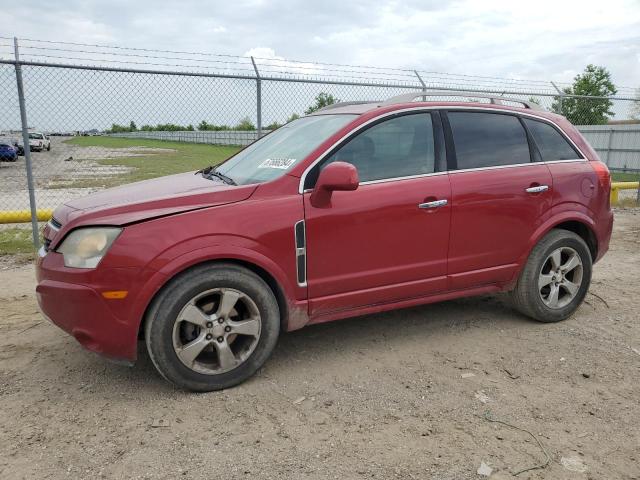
x=72, y=299
x=604, y=234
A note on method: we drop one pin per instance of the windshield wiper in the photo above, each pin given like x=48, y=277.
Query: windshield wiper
x=212, y=172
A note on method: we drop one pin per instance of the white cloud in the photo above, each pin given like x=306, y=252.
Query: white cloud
x=268, y=61
x=548, y=39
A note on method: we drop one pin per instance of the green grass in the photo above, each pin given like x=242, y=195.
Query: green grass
x=14, y=241
x=185, y=157
x=625, y=177
x=628, y=202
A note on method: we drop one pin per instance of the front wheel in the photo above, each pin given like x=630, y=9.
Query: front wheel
x=212, y=327
x=555, y=279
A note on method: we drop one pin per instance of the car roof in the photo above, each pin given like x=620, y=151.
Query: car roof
x=347, y=107
x=407, y=100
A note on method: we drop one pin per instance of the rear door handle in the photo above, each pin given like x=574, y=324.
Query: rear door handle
x=538, y=189
x=434, y=204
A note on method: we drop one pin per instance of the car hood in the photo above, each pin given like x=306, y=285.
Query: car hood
x=150, y=199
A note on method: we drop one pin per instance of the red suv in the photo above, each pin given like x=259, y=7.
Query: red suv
x=357, y=208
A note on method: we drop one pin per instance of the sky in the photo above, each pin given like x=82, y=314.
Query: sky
x=541, y=40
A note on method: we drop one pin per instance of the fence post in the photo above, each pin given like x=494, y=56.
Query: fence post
x=27, y=150
x=609, y=144
x=560, y=97
x=424, y=87
x=259, y=97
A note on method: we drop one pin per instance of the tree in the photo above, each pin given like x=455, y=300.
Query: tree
x=594, y=82
x=535, y=100
x=245, y=124
x=205, y=126
x=132, y=126
x=274, y=125
x=115, y=128
x=322, y=100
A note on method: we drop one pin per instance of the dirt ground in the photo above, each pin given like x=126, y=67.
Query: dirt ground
x=395, y=395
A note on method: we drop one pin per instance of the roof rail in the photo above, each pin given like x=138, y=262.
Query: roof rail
x=341, y=104
x=496, y=100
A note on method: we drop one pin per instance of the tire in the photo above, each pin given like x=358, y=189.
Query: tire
x=534, y=293
x=168, y=333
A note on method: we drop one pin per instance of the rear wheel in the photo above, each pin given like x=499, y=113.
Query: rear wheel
x=556, y=277
x=212, y=327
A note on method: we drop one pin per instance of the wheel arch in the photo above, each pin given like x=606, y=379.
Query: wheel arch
x=293, y=314
x=575, y=222
x=584, y=231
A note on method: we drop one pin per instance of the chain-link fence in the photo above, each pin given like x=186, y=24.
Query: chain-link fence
x=102, y=116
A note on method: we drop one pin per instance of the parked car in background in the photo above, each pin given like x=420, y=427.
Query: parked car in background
x=39, y=141
x=19, y=148
x=8, y=153
x=357, y=208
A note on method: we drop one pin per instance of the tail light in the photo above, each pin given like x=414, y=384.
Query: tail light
x=604, y=177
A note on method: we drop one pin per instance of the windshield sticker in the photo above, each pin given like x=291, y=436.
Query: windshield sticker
x=279, y=163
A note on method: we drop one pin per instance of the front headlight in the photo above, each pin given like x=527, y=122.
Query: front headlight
x=85, y=247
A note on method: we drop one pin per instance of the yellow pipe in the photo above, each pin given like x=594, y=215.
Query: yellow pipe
x=23, y=216
x=617, y=186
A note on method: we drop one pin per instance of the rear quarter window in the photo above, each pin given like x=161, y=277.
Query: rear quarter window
x=484, y=139
x=551, y=143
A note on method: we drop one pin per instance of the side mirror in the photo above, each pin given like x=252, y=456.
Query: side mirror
x=337, y=176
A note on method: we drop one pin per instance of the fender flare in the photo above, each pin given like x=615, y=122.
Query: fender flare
x=547, y=226
x=158, y=278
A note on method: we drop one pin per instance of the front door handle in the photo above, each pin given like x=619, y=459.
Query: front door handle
x=433, y=204
x=537, y=189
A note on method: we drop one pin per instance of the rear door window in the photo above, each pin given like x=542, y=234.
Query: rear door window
x=483, y=139
x=552, y=145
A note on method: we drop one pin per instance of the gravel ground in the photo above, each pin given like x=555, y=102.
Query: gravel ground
x=395, y=395
x=63, y=163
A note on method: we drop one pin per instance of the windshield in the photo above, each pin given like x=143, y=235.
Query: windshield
x=273, y=155
x=35, y=136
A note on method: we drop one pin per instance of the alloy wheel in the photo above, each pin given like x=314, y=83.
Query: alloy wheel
x=560, y=278
x=216, y=331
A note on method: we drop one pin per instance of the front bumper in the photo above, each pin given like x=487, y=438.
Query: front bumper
x=72, y=299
